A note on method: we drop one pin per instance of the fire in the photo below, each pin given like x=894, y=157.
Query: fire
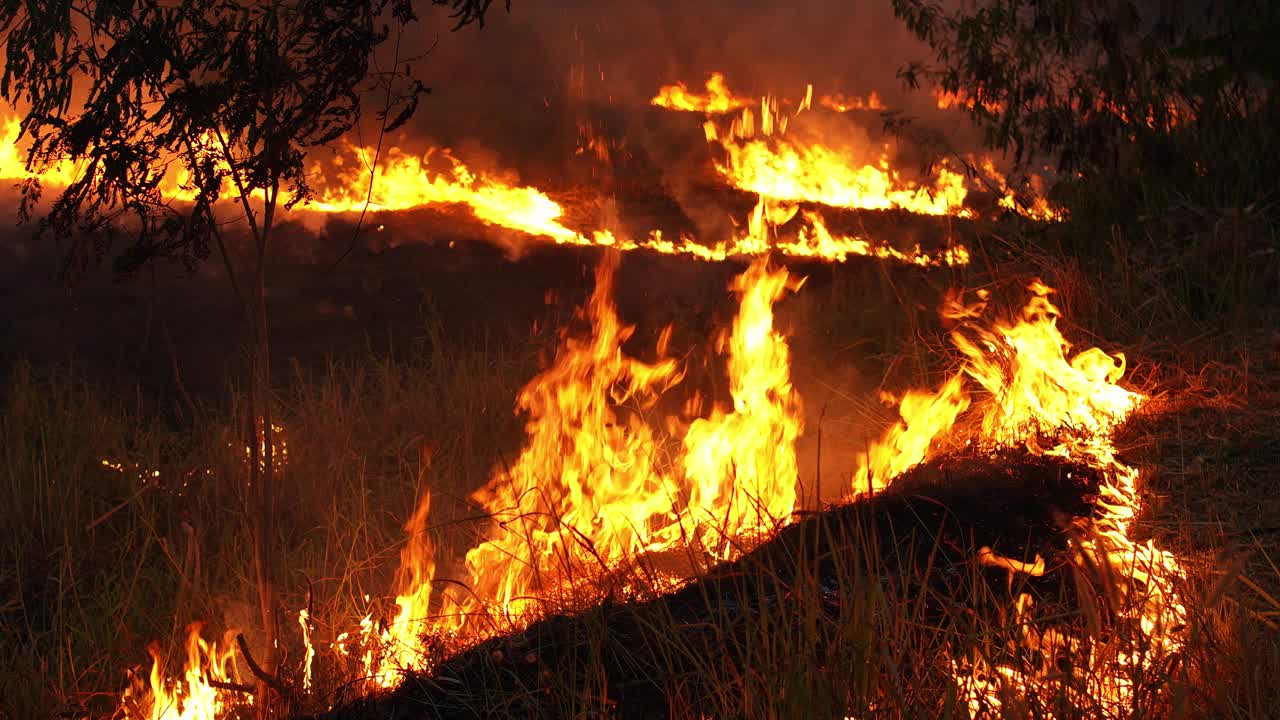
x=741, y=465
x=404, y=181
x=845, y=103
x=402, y=640
x=760, y=157
x=592, y=490
x=1037, y=208
x=1040, y=397
x=13, y=162
x=946, y=100
x=718, y=99
x=814, y=240
x=925, y=416
x=784, y=170
x=204, y=691
x=587, y=490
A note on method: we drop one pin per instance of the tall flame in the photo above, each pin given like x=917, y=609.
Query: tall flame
x=741, y=465
x=586, y=491
x=401, y=641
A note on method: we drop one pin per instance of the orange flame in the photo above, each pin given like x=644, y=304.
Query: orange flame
x=765, y=161
x=845, y=103
x=586, y=491
x=1039, y=397
x=192, y=697
x=741, y=465
x=718, y=98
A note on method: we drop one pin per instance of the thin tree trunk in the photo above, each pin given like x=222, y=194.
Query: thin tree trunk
x=263, y=457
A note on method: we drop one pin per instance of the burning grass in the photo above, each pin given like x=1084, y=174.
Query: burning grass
x=883, y=641
x=1032, y=578
x=836, y=594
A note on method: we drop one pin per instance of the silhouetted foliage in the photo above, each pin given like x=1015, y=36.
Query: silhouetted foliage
x=224, y=89
x=1112, y=85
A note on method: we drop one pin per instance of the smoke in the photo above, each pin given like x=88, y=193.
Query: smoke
x=520, y=84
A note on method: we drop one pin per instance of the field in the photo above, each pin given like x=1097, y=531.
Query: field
x=105, y=557
x=645, y=374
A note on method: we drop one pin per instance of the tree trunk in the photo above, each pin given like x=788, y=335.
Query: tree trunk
x=262, y=459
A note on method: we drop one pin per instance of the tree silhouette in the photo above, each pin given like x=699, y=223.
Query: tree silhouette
x=233, y=93
x=1116, y=86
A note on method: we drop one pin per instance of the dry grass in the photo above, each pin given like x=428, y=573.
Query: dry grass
x=100, y=561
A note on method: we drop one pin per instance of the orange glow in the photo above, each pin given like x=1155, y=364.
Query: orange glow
x=192, y=697
x=718, y=98
x=845, y=103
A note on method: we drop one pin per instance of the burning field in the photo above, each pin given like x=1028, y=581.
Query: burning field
x=680, y=399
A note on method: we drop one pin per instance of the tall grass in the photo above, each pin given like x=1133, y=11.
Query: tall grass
x=97, y=561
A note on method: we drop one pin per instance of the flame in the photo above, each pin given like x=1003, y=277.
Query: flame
x=304, y=620
x=845, y=103
x=959, y=99
x=1039, y=396
x=925, y=415
x=405, y=181
x=741, y=465
x=814, y=240
x=586, y=491
x=718, y=99
x=401, y=641
x=13, y=162
x=1038, y=207
x=816, y=173
x=193, y=697
x=761, y=158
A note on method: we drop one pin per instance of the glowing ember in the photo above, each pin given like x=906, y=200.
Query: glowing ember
x=845, y=103
x=586, y=491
